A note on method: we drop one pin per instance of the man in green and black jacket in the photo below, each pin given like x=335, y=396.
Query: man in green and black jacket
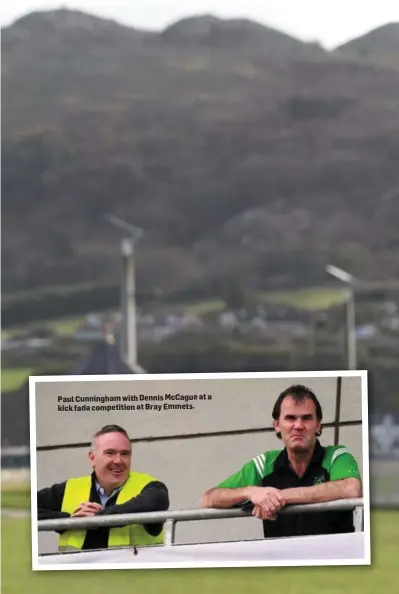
x=303, y=472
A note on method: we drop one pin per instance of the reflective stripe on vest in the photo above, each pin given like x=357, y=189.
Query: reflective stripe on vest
x=78, y=490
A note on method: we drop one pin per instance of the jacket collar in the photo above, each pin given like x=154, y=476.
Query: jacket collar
x=282, y=461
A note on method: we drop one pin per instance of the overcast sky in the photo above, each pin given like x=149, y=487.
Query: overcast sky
x=331, y=23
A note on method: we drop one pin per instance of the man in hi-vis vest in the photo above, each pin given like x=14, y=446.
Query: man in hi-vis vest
x=112, y=488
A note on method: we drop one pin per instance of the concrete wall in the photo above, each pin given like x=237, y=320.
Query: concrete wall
x=190, y=450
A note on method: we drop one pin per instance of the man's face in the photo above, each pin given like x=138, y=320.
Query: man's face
x=298, y=424
x=111, y=459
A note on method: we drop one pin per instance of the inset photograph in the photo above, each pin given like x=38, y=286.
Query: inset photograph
x=200, y=470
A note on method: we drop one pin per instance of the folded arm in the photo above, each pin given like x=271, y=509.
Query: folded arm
x=267, y=501
x=345, y=482
x=154, y=497
x=224, y=498
x=235, y=490
x=339, y=489
x=49, y=502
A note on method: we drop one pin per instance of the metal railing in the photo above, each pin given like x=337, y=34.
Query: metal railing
x=173, y=516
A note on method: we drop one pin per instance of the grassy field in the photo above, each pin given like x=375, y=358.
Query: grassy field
x=17, y=576
x=14, y=377
x=204, y=307
x=67, y=326
x=313, y=299
x=47, y=290
x=15, y=497
x=62, y=327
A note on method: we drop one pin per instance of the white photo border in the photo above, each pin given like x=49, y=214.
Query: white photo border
x=362, y=374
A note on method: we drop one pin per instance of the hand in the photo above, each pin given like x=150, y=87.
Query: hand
x=267, y=502
x=87, y=508
x=262, y=514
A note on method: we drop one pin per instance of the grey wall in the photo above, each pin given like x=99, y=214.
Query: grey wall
x=190, y=450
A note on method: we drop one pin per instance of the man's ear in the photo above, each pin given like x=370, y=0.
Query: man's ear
x=277, y=429
x=91, y=458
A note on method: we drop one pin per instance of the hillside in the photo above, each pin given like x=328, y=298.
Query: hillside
x=380, y=46
x=242, y=35
x=249, y=163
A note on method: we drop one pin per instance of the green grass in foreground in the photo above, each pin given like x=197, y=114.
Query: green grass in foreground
x=17, y=576
x=15, y=498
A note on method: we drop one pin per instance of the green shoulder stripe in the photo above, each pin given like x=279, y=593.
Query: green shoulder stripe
x=259, y=462
x=270, y=458
x=252, y=472
x=331, y=454
x=340, y=463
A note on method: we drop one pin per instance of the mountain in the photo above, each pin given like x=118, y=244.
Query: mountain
x=248, y=166
x=63, y=20
x=211, y=32
x=381, y=46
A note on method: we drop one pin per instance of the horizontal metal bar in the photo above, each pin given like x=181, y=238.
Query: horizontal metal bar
x=185, y=515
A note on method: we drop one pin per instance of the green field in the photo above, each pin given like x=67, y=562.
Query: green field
x=50, y=290
x=14, y=377
x=62, y=327
x=16, y=498
x=313, y=299
x=204, y=307
x=17, y=576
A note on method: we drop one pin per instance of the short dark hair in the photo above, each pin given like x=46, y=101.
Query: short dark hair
x=109, y=429
x=299, y=393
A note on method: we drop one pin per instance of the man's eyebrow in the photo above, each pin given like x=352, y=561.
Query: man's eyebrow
x=304, y=416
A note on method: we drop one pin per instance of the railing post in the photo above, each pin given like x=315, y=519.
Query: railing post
x=358, y=519
x=170, y=529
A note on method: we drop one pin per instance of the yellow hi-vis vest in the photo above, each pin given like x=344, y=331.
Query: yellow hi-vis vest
x=78, y=490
